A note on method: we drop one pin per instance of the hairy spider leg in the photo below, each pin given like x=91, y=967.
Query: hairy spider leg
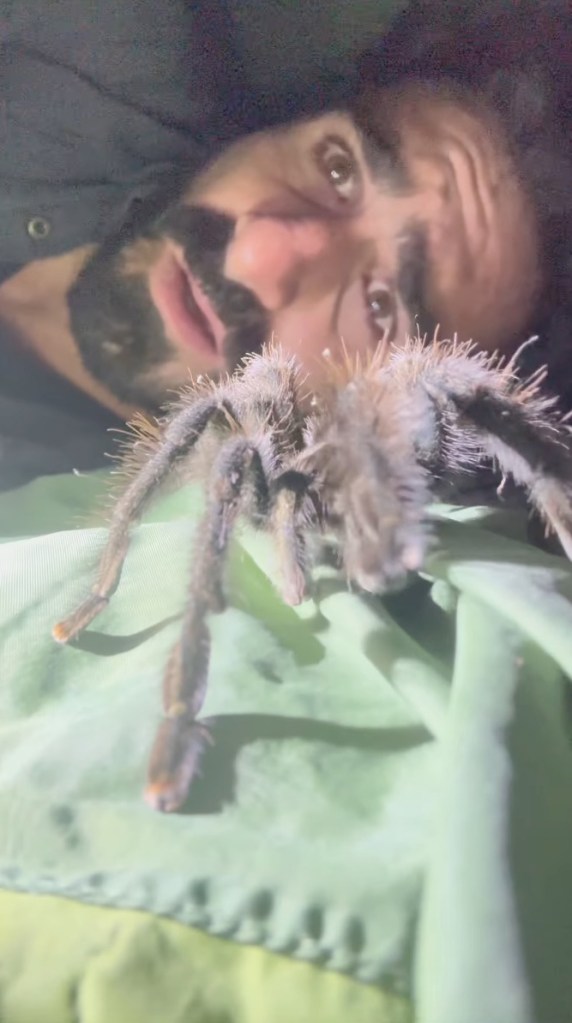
x=373, y=490
x=180, y=738
x=181, y=435
x=535, y=452
x=290, y=522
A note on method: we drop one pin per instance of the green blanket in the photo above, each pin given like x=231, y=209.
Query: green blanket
x=387, y=797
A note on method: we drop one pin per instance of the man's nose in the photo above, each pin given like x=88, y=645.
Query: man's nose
x=269, y=254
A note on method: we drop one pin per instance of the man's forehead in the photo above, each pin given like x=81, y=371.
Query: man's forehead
x=271, y=153
x=307, y=128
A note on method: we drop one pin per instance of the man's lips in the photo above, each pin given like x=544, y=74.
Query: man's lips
x=187, y=314
x=191, y=322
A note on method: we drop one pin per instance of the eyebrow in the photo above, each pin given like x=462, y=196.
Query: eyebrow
x=381, y=156
x=413, y=258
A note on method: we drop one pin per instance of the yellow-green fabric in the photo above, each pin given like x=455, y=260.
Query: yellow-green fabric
x=387, y=796
x=61, y=962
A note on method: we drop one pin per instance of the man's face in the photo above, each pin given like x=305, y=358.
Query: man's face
x=280, y=238
x=319, y=235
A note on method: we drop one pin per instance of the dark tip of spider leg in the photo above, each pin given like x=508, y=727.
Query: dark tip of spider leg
x=79, y=619
x=180, y=739
x=175, y=760
x=554, y=500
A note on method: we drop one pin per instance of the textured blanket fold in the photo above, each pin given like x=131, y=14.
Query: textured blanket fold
x=388, y=792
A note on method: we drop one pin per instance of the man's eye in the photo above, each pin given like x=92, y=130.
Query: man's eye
x=337, y=162
x=381, y=306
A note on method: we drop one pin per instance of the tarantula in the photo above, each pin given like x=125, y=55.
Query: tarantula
x=360, y=462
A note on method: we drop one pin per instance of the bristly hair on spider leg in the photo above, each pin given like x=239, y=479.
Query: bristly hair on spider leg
x=490, y=414
x=429, y=374
x=180, y=740
x=522, y=432
x=374, y=492
x=255, y=427
x=153, y=451
x=239, y=483
x=358, y=461
x=180, y=436
x=296, y=515
x=275, y=406
x=266, y=397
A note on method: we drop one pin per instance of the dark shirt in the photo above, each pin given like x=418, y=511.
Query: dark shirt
x=98, y=101
x=46, y=425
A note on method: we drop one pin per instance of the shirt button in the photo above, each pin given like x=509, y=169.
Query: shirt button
x=38, y=228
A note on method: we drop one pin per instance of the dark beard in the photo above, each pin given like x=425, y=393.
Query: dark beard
x=204, y=236
x=119, y=333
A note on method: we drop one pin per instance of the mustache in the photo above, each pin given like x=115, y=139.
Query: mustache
x=204, y=235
